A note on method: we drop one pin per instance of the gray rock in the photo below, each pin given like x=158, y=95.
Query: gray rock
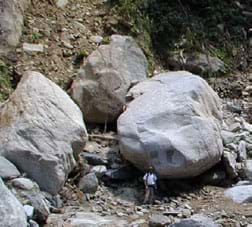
x=11, y=23
x=32, y=223
x=41, y=131
x=11, y=210
x=227, y=137
x=89, y=183
x=159, y=221
x=240, y=194
x=99, y=170
x=229, y=160
x=94, y=159
x=242, y=152
x=105, y=79
x=7, y=169
x=37, y=200
x=235, y=127
x=23, y=183
x=248, y=169
x=247, y=127
x=195, y=221
x=197, y=63
x=180, y=137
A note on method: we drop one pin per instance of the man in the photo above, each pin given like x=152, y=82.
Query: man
x=150, y=179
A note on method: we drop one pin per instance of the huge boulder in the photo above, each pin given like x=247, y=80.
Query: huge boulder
x=41, y=131
x=11, y=22
x=173, y=125
x=11, y=210
x=106, y=77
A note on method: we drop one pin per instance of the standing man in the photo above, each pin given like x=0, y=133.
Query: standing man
x=150, y=179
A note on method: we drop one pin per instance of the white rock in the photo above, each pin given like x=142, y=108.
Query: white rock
x=99, y=170
x=96, y=39
x=29, y=210
x=248, y=169
x=61, y=3
x=173, y=123
x=29, y=47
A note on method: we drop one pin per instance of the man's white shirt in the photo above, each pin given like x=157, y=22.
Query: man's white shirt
x=150, y=178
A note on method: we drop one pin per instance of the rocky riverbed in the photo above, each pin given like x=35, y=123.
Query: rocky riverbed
x=85, y=121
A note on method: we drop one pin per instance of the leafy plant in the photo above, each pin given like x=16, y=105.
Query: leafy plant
x=5, y=81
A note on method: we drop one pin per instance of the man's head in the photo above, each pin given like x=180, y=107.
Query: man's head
x=150, y=169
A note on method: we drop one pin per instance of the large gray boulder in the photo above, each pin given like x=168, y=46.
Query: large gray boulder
x=11, y=22
x=11, y=210
x=173, y=125
x=41, y=130
x=106, y=77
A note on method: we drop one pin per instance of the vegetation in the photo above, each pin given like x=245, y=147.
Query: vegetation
x=212, y=26
x=5, y=81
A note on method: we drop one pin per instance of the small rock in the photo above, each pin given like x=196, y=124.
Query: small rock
x=29, y=210
x=94, y=159
x=67, y=45
x=227, y=137
x=195, y=221
x=23, y=183
x=248, y=169
x=89, y=183
x=29, y=47
x=99, y=170
x=61, y=3
x=32, y=223
x=159, y=221
x=7, y=169
x=242, y=152
x=229, y=160
x=235, y=127
x=96, y=39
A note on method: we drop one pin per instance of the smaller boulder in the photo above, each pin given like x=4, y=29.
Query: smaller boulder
x=7, y=169
x=23, y=183
x=229, y=160
x=89, y=183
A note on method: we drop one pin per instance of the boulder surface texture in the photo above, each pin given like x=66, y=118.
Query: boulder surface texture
x=106, y=78
x=173, y=125
x=41, y=131
x=11, y=22
x=11, y=210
